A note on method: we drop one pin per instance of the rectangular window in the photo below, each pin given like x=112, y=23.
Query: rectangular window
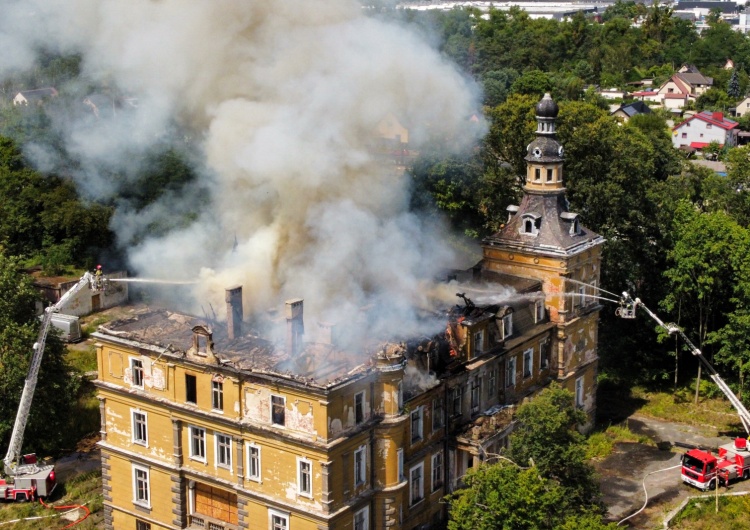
x=278, y=406
x=304, y=477
x=582, y=295
x=456, y=401
x=360, y=465
x=253, y=462
x=400, y=456
x=537, y=174
x=538, y=311
x=579, y=392
x=359, y=407
x=416, y=425
x=507, y=325
x=437, y=470
x=549, y=175
x=142, y=525
x=492, y=383
x=223, y=450
x=362, y=519
x=510, y=372
x=528, y=362
x=416, y=484
x=478, y=342
x=476, y=391
x=140, y=429
x=191, y=390
x=198, y=443
x=438, y=414
x=217, y=395
x=141, y=492
x=684, y=135
x=136, y=369
x=278, y=520
x=543, y=355
x=709, y=126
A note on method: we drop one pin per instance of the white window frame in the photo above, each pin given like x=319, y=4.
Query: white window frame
x=579, y=392
x=283, y=404
x=217, y=391
x=301, y=490
x=412, y=500
x=435, y=484
x=507, y=325
x=510, y=372
x=400, y=457
x=192, y=431
x=360, y=471
x=134, y=427
x=528, y=355
x=220, y=447
x=141, y=370
x=365, y=518
x=418, y=436
x=146, y=477
x=361, y=396
x=250, y=476
x=281, y=515
x=581, y=295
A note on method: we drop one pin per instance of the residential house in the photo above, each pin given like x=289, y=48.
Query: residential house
x=703, y=128
x=612, y=93
x=36, y=96
x=627, y=111
x=684, y=86
x=743, y=107
x=208, y=424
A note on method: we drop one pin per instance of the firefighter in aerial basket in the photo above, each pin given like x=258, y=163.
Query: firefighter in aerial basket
x=98, y=279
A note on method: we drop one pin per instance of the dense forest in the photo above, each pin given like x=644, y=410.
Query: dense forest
x=677, y=234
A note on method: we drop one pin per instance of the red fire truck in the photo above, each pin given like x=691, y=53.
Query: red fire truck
x=702, y=468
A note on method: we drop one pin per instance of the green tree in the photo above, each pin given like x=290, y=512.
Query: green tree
x=547, y=437
x=733, y=87
x=533, y=83
x=504, y=496
x=50, y=417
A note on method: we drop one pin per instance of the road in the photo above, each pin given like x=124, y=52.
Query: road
x=623, y=472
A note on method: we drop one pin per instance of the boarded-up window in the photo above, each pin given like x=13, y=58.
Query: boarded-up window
x=216, y=503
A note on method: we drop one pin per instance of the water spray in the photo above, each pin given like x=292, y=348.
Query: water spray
x=153, y=280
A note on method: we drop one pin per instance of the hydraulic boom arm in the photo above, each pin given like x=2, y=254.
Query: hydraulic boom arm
x=628, y=311
x=24, y=406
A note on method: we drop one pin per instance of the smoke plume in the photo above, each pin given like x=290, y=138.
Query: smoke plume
x=283, y=98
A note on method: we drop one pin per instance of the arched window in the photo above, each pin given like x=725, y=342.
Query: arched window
x=530, y=224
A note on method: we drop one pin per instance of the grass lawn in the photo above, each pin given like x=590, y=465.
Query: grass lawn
x=700, y=514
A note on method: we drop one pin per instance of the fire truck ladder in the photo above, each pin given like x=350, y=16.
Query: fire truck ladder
x=24, y=407
x=629, y=303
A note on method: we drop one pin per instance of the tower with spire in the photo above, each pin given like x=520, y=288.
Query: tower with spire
x=543, y=240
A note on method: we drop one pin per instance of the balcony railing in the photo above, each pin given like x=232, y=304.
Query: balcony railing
x=208, y=523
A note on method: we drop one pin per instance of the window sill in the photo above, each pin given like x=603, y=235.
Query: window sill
x=142, y=506
x=197, y=459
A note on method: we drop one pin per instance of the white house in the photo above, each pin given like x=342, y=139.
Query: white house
x=703, y=128
x=34, y=96
x=743, y=107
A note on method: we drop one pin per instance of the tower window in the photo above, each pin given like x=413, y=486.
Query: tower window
x=537, y=174
x=530, y=224
x=549, y=175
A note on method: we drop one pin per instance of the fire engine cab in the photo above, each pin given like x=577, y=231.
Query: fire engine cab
x=701, y=468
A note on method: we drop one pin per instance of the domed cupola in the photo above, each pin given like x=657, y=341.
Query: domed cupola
x=545, y=154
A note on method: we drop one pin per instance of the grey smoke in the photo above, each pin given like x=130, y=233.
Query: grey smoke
x=283, y=99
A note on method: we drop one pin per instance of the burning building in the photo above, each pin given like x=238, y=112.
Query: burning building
x=211, y=424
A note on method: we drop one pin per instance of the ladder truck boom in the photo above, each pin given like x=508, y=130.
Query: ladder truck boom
x=627, y=310
x=11, y=460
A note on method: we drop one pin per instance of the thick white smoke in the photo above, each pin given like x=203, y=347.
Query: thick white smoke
x=286, y=96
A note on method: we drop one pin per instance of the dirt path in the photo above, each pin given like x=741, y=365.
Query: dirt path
x=622, y=473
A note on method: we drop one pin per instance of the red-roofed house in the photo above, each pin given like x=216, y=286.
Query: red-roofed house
x=684, y=86
x=703, y=128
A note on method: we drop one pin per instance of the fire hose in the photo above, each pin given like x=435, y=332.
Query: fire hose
x=69, y=507
x=646, y=492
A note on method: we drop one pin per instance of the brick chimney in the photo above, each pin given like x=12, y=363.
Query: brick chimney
x=233, y=298
x=295, y=326
x=719, y=116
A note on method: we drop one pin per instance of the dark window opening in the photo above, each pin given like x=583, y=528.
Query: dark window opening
x=277, y=410
x=191, y=390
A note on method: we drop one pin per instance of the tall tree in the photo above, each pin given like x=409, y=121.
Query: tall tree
x=733, y=88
